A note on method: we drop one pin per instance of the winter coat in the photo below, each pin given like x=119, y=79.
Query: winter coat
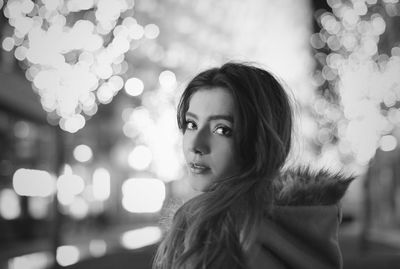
x=302, y=230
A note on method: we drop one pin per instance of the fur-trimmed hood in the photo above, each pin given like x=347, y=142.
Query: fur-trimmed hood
x=302, y=230
x=304, y=186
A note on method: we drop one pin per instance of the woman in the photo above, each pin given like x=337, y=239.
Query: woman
x=236, y=122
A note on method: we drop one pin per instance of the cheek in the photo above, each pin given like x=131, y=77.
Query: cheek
x=185, y=145
x=231, y=163
x=226, y=157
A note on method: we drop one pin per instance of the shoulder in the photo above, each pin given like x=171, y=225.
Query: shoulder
x=302, y=230
x=303, y=186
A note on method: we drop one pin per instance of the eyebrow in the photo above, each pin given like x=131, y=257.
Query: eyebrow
x=212, y=117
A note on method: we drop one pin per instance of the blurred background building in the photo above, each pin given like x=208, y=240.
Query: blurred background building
x=90, y=154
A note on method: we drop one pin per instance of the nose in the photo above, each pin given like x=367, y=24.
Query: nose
x=200, y=143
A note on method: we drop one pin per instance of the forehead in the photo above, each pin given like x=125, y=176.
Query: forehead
x=210, y=101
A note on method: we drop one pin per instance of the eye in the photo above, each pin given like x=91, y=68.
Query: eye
x=223, y=130
x=190, y=125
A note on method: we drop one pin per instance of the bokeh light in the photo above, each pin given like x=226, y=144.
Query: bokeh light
x=361, y=75
x=75, y=58
x=31, y=182
x=141, y=237
x=8, y=43
x=167, y=79
x=101, y=184
x=97, y=247
x=140, y=158
x=79, y=208
x=105, y=94
x=22, y=129
x=143, y=195
x=388, y=143
x=151, y=31
x=68, y=186
x=38, y=207
x=67, y=255
x=9, y=204
x=82, y=153
x=136, y=31
x=31, y=261
x=134, y=86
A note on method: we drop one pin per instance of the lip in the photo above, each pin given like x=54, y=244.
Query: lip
x=198, y=168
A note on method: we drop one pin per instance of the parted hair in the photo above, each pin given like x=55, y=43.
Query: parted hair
x=216, y=228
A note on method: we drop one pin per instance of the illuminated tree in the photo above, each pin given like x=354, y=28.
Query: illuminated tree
x=358, y=78
x=74, y=51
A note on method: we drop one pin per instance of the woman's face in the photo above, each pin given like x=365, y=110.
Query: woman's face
x=208, y=138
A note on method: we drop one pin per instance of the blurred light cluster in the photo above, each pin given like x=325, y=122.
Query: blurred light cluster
x=69, y=186
x=366, y=80
x=67, y=255
x=81, y=193
x=153, y=128
x=74, y=61
x=10, y=206
x=78, y=192
x=77, y=195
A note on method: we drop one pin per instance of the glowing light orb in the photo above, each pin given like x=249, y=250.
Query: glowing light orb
x=101, y=184
x=82, y=153
x=134, y=86
x=9, y=204
x=167, y=79
x=67, y=255
x=151, y=31
x=388, y=143
x=8, y=43
x=140, y=158
x=143, y=195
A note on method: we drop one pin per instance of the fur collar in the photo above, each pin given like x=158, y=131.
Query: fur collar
x=303, y=186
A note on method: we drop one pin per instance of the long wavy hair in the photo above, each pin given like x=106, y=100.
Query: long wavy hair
x=216, y=228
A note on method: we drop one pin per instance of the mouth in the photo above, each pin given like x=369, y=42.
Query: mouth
x=198, y=168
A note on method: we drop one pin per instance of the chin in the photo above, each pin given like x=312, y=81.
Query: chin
x=198, y=183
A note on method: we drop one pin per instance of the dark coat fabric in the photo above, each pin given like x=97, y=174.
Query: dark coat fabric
x=302, y=230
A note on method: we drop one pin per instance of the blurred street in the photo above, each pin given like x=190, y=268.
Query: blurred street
x=375, y=254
